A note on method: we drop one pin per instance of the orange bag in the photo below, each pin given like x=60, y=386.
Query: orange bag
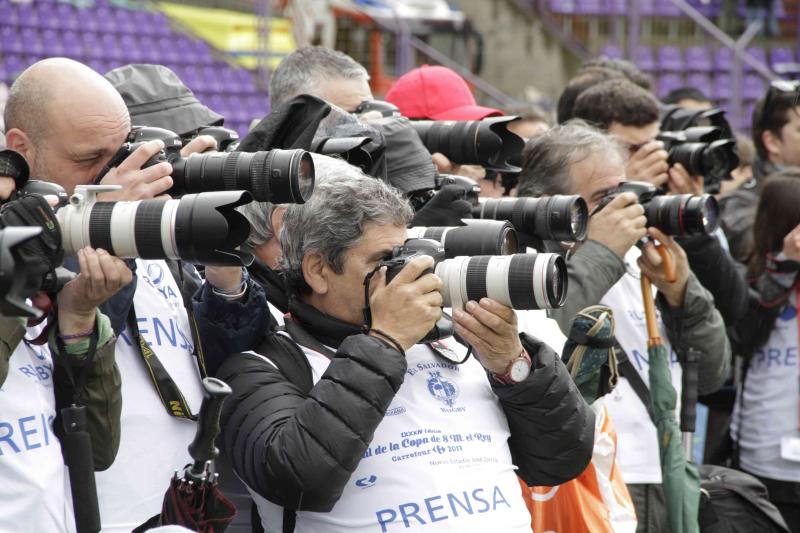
x=597, y=501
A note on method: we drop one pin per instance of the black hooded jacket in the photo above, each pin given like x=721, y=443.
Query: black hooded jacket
x=297, y=444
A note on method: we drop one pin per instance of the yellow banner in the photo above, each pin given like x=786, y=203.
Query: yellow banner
x=234, y=32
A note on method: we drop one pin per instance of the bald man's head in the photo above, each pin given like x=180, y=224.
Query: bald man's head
x=66, y=120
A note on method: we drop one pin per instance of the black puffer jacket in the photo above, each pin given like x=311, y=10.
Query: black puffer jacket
x=299, y=449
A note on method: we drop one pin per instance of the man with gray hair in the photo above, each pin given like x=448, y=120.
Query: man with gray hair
x=606, y=269
x=333, y=76
x=345, y=421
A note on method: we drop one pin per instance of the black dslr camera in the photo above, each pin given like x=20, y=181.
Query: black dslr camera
x=681, y=214
x=701, y=141
x=277, y=176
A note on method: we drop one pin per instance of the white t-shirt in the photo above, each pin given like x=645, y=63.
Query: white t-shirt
x=637, y=449
x=153, y=443
x=34, y=492
x=439, y=460
x=769, y=412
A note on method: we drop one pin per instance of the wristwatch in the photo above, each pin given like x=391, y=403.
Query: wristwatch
x=517, y=370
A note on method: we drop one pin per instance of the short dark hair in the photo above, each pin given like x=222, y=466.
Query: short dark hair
x=617, y=101
x=585, y=79
x=685, y=93
x=780, y=105
x=623, y=67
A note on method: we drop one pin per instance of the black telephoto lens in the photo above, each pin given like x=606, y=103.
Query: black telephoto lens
x=683, y=214
x=552, y=218
x=486, y=142
x=479, y=237
x=277, y=176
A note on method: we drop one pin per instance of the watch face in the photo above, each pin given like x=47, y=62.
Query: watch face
x=519, y=370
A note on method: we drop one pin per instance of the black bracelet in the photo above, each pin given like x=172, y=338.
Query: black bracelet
x=391, y=340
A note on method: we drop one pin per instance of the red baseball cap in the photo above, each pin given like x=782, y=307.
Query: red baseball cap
x=436, y=93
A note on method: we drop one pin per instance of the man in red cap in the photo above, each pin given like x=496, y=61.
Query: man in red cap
x=436, y=93
x=439, y=93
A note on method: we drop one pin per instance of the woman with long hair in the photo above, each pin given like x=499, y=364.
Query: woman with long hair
x=766, y=418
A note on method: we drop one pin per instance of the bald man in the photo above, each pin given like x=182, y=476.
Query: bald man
x=68, y=122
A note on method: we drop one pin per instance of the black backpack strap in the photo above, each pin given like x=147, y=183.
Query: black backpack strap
x=637, y=383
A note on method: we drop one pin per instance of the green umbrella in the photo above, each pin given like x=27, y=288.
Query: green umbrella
x=680, y=479
x=589, y=352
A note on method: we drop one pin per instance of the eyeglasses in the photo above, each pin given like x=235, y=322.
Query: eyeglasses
x=780, y=86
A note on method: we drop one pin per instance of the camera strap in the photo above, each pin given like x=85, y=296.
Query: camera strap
x=171, y=397
x=635, y=379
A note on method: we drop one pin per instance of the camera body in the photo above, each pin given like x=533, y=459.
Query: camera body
x=701, y=141
x=680, y=214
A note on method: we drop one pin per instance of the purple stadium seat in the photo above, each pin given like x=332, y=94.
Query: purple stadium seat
x=25, y=15
x=669, y=59
x=780, y=55
x=13, y=66
x=612, y=51
x=51, y=43
x=566, y=7
x=590, y=7
x=617, y=7
x=753, y=87
x=10, y=41
x=665, y=8
x=723, y=59
x=698, y=59
x=759, y=54
x=643, y=57
x=71, y=43
x=668, y=82
x=722, y=88
x=701, y=82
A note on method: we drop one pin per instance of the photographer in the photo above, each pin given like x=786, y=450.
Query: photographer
x=776, y=122
x=379, y=430
x=631, y=115
x=764, y=422
x=328, y=74
x=38, y=382
x=438, y=93
x=265, y=225
x=68, y=122
x=577, y=159
x=340, y=80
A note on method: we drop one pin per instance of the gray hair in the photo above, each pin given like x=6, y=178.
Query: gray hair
x=548, y=158
x=345, y=200
x=302, y=70
x=259, y=214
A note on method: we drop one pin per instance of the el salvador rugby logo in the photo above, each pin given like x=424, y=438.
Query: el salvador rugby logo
x=442, y=389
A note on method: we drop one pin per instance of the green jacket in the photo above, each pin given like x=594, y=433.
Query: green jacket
x=593, y=269
x=102, y=395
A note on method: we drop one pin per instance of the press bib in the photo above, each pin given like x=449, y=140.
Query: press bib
x=153, y=443
x=766, y=418
x=439, y=460
x=34, y=493
x=637, y=446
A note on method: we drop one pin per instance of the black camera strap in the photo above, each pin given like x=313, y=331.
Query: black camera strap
x=171, y=396
x=76, y=442
x=638, y=385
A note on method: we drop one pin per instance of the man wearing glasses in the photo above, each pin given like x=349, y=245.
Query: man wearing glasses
x=776, y=135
